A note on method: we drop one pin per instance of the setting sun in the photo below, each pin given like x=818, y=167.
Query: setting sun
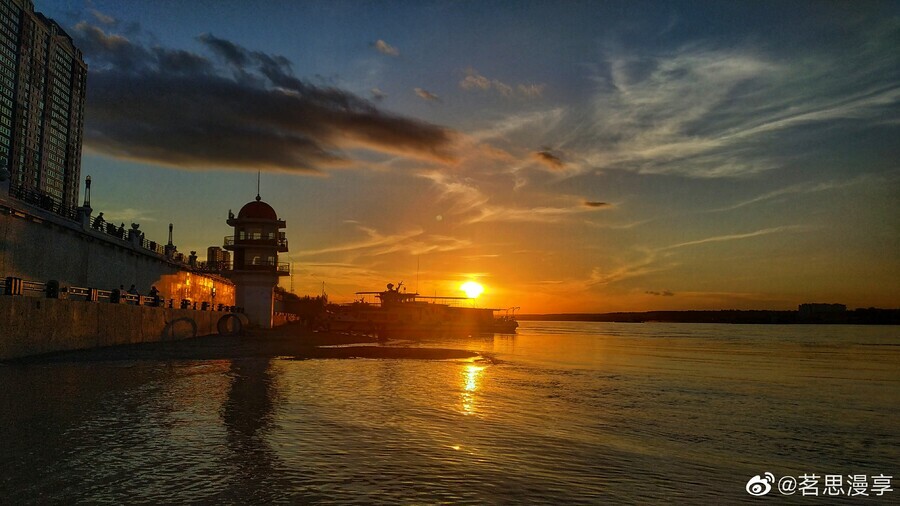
x=472, y=289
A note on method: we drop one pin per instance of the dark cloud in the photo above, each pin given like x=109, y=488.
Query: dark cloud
x=177, y=61
x=665, y=293
x=179, y=108
x=591, y=203
x=230, y=52
x=550, y=159
x=113, y=51
x=223, y=124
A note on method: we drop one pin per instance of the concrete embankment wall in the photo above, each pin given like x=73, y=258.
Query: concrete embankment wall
x=33, y=326
x=39, y=246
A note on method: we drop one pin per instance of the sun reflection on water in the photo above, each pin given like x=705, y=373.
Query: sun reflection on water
x=471, y=381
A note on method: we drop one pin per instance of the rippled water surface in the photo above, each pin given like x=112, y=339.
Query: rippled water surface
x=561, y=413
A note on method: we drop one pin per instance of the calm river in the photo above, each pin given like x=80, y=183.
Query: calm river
x=562, y=413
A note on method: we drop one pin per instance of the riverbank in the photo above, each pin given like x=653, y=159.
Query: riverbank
x=860, y=316
x=290, y=341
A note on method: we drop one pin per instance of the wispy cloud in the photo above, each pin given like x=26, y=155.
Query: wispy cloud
x=650, y=106
x=649, y=264
x=538, y=214
x=810, y=187
x=705, y=111
x=660, y=259
x=531, y=90
x=620, y=226
x=733, y=237
x=426, y=95
x=485, y=255
x=474, y=81
x=385, y=48
x=103, y=18
x=129, y=215
x=466, y=197
x=538, y=123
x=374, y=243
x=476, y=207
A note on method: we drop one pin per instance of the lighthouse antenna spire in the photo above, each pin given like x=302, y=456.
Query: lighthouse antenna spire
x=258, y=198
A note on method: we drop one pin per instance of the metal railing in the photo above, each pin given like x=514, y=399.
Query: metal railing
x=263, y=265
x=49, y=203
x=12, y=286
x=16, y=286
x=153, y=246
x=276, y=239
x=43, y=200
x=101, y=225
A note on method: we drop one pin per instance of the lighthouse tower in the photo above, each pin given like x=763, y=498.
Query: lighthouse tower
x=256, y=242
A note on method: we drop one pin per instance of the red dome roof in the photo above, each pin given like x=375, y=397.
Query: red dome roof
x=257, y=210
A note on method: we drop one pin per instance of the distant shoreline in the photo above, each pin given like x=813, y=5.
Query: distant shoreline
x=869, y=316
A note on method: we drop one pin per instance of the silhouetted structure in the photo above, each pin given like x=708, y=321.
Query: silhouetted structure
x=256, y=242
x=42, y=92
x=309, y=310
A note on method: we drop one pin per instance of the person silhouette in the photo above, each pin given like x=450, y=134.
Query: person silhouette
x=154, y=294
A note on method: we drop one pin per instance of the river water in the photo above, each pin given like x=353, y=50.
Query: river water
x=561, y=413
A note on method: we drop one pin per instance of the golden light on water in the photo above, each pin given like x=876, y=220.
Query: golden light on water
x=473, y=372
x=472, y=289
x=471, y=378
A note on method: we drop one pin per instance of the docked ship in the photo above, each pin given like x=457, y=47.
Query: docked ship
x=401, y=314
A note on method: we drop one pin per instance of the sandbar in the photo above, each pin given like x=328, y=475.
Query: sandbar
x=291, y=341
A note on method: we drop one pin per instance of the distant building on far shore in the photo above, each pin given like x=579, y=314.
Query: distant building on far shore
x=42, y=92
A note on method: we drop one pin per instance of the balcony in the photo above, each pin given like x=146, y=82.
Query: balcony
x=272, y=239
x=280, y=268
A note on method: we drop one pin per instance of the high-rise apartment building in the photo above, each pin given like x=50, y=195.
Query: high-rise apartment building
x=42, y=91
x=217, y=258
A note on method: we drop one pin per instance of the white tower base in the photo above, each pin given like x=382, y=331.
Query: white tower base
x=255, y=292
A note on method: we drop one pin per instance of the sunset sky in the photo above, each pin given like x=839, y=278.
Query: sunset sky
x=569, y=156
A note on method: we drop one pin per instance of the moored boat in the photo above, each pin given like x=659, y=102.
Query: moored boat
x=401, y=314
x=506, y=324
